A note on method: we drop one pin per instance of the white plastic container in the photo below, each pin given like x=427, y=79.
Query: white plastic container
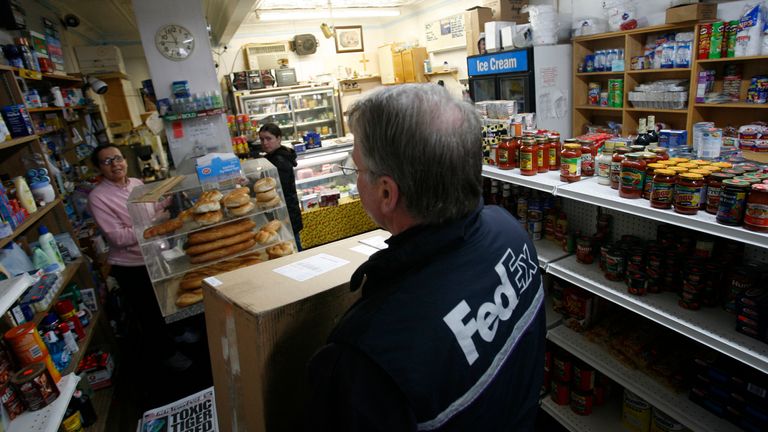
x=48, y=245
x=43, y=192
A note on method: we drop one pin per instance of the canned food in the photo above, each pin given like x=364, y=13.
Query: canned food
x=582, y=402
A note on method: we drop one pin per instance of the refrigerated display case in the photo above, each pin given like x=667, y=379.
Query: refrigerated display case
x=181, y=243
x=297, y=110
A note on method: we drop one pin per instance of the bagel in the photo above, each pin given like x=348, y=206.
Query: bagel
x=189, y=298
x=273, y=226
x=266, y=196
x=264, y=237
x=208, y=218
x=264, y=184
x=273, y=203
x=236, y=200
x=280, y=250
x=206, y=206
x=242, y=210
x=211, y=195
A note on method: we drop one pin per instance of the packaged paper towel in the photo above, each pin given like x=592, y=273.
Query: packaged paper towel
x=749, y=38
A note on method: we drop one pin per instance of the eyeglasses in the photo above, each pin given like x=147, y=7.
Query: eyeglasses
x=348, y=170
x=113, y=159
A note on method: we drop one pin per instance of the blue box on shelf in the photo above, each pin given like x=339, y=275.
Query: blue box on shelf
x=217, y=167
x=312, y=140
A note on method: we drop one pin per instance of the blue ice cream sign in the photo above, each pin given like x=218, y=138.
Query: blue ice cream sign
x=498, y=63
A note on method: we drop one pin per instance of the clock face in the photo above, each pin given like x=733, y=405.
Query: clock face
x=174, y=42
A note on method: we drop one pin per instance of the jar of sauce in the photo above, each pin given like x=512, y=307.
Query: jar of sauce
x=679, y=160
x=650, y=157
x=515, y=151
x=662, y=153
x=667, y=163
x=529, y=160
x=570, y=163
x=687, y=165
x=678, y=169
x=542, y=152
x=617, y=158
x=756, y=215
x=603, y=164
x=688, y=192
x=504, y=157
x=733, y=202
x=554, y=151
x=585, y=253
x=637, y=148
x=703, y=199
x=663, y=188
x=650, y=170
x=587, y=158
x=714, y=186
x=632, y=176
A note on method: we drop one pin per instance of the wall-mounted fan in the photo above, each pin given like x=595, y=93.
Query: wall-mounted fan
x=305, y=44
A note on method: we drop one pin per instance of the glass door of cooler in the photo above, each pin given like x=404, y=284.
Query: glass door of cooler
x=316, y=111
x=517, y=88
x=483, y=89
x=272, y=109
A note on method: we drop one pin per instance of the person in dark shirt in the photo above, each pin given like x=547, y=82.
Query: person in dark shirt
x=449, y=332
x=284, y=159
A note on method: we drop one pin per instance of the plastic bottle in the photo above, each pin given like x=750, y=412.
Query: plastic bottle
x=41, y=260
x=70, y=344
x=24, y=194
x=218, y=102
x=48, y=245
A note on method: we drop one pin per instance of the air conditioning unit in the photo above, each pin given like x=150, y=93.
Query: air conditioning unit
x=266, y=55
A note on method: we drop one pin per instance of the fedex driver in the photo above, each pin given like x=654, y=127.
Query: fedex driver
x=449, y=332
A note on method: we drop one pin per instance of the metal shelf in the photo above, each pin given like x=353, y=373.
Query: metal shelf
x=743, y=105
x=263, y=115
x=603, y=418
x=544, y=182
x=588, y=191
x=325, y=107
x=49, y=418
x=313, y=122
x=677, y=405
x=548, y=252
x=712, y=327
x=320, y=177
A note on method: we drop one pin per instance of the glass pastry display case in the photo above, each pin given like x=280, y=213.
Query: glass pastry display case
x=318, y=172
x=188, y=231
x=297, y=110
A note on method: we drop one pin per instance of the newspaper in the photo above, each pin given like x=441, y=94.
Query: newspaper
x=196, y=412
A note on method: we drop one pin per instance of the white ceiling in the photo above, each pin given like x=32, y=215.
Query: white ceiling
x=113, y=21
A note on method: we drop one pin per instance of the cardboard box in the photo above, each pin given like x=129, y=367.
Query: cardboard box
x=99, y=59
x=692, y=12
x=474, y=25
x=264, y=327
x=507, y=10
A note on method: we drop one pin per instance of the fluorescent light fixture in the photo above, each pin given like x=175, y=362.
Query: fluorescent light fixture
x=291, y=15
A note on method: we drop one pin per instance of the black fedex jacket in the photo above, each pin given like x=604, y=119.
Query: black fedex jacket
x=448, y=335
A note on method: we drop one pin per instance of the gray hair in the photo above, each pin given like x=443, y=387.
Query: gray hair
x=428, y=141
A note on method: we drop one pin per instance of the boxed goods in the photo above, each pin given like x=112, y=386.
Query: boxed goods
x=474, y=21
x=284, y=322
x=507, y=10
x=691, y=12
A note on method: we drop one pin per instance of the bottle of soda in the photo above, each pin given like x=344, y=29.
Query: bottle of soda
x=83, y=404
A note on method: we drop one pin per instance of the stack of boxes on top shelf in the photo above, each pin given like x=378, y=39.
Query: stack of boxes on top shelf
x=122, y=102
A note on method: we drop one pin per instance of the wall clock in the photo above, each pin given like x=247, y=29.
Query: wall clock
x=174, y=42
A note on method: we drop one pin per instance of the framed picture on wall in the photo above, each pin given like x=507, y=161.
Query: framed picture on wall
x=349, y=39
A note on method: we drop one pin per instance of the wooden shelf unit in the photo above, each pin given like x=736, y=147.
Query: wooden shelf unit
x=633, y=42
x=727, y=114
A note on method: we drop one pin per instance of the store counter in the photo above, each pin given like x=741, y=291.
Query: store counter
x=265, y=322
x=327, y=224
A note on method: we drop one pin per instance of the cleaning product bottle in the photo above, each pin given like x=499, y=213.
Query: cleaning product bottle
x=48, y=244
x=41, y=260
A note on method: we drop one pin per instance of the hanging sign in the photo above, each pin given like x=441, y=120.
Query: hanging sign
x=498, y=63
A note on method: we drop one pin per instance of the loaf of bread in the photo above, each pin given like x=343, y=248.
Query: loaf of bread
x=264, y=237
x=209, y=218
x=222, y=252
x=166, y=227
x=273, y=225
x=220, y=243
x=279, y=250
x=194, y=279
x=225, y=230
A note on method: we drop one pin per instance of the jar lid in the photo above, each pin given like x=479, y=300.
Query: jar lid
x=667, y=162
x=734, y=171
x=571, y=140
x=721, y=175
x=666, y=172
x=703, y=172
x=760, y=187
x=679, y=159
x=700, y=162
x=736, y=183
x=723, y=164
x=572, y=146
x=748, y=167
x=635, y=155
x=28, y=373
x=622, y=149
x=656, y=166
x=678, y=169
x=710, y=168
x=750, y=180
x=688, y=165
x=691, y=176
x=660, y=150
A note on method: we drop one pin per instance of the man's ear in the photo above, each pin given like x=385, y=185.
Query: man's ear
x=389, y=194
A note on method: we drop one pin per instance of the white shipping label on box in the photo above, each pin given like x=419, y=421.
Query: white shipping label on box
x=311, y=267
x=377, y=242
x=364, y=249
